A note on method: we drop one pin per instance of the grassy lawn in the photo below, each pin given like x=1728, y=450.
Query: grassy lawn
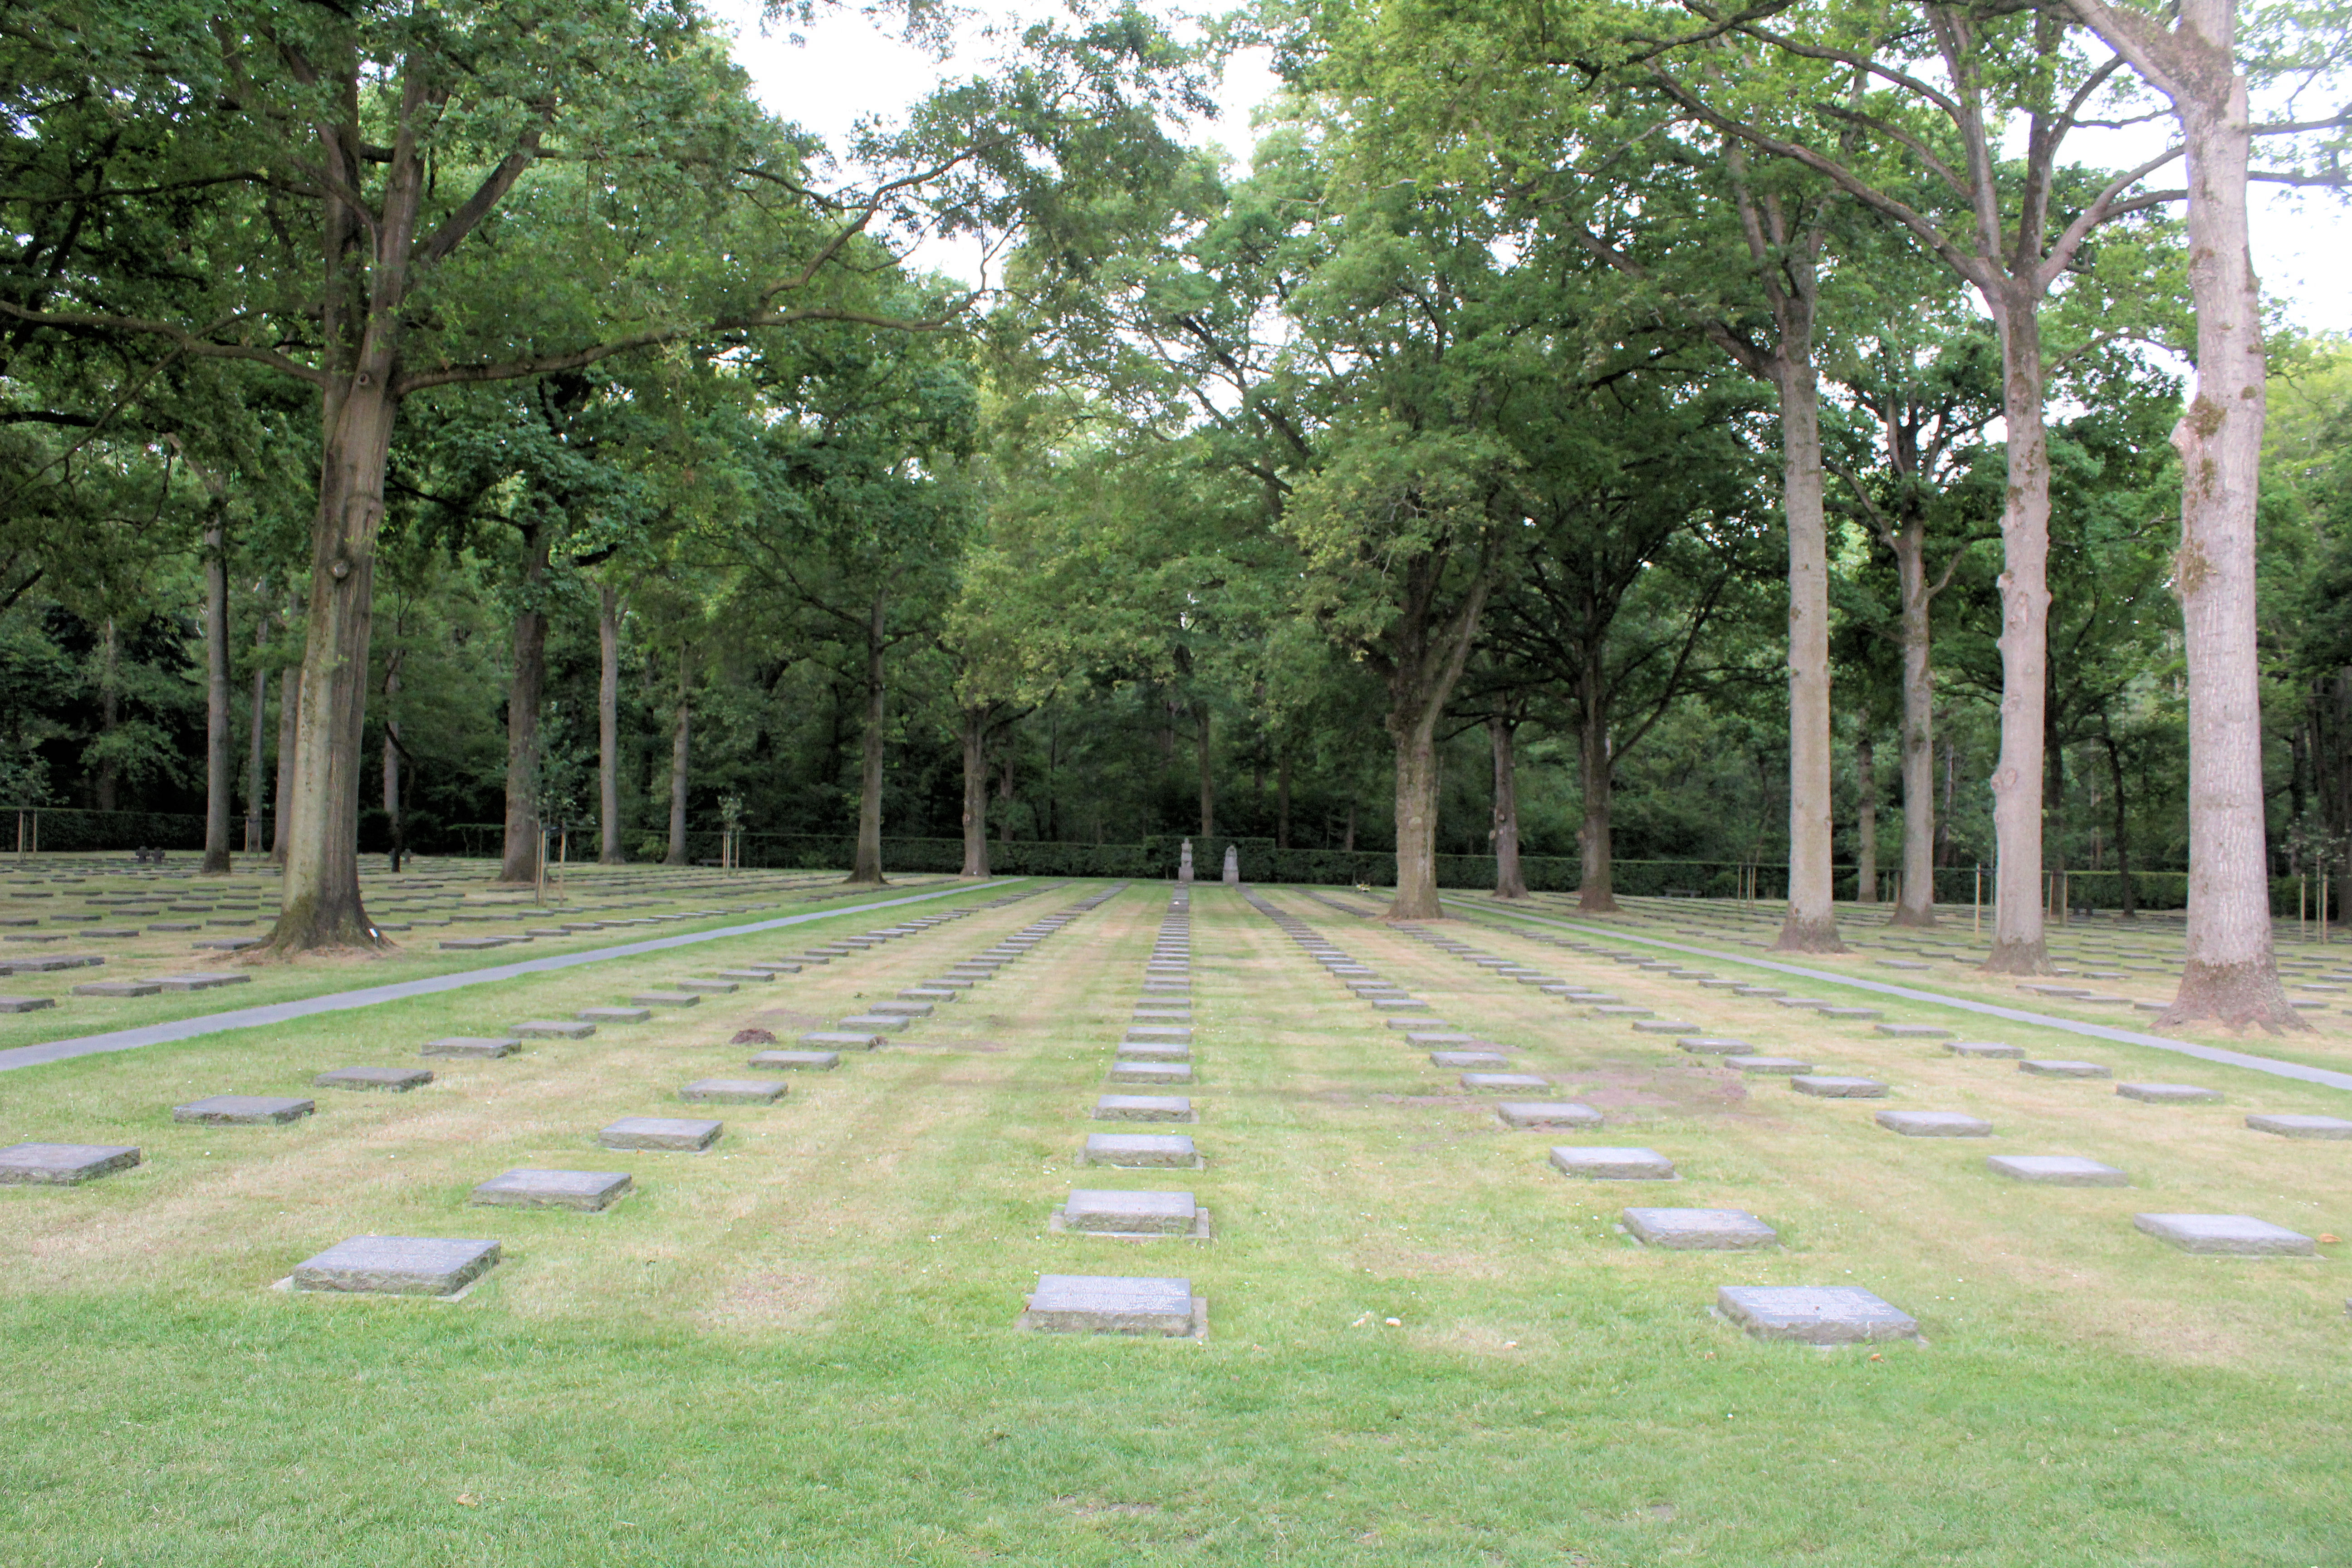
x=797, y=1348
x=595, y=893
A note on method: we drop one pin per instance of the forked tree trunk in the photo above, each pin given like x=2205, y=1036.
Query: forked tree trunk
x=681, y=752
x=1866, y=821
x=321, y=897
x=2232, y=970
x=257, y=793
x=2017, y=922
x=1916, y=896
x=220, y=769
x=1810, y=924
x=1596, y=892
x=609, y=851
x=1424, y=658
x=867, y=867
x=392, y=810
x=1208, y=778
x=974, y=735
x=289, y=716
x=1509, y=883
x=525, y=691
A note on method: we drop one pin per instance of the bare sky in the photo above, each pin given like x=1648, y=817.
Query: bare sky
x=849, y=69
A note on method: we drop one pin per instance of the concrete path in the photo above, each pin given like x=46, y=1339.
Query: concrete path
x=2276, y=1068
x=339, y=1001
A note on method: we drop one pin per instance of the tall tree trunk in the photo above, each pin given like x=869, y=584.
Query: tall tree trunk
x=1282, y=800
x=1596, y=892
x=525, y=689
x=681, y=752
x=1004, y=798
x=2232, y=970
x=1416, y=816
x=1810, y=924
x=974, y=735
x=867, y=867
x=220, y=767
x=1208, y=776
x=2127, y=902
x=2017, y=924
x=256, y=792
x=394, y=816
x=1347, y=844
x=1865, y=819
x=610, y=850
x=108, y=714
x=290, y=714
x=1509, y=883
x=1951, y=793
x=1423, y=660
x=1916, y=896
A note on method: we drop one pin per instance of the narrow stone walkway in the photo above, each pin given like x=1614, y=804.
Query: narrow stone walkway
x=368, y=996
x=2322, y=1076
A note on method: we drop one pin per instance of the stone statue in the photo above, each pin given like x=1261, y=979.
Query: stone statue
x=1233, y=865
x=1184, y=864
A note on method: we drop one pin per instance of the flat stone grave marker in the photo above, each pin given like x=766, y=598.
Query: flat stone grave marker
x=1915, y=1031
x=2050, y=1068
x=1612, y=1164
x=1162, y=1014
x=1721, y=984
x=1807, y=1002
x=775, y=969
x=876, y=1023
x=1502, y=1081
x=1142, y=1150
x=1135, y=1214
x=1400, y=1005
x=708, y=987
x=926, y=995
x=1144, y=1108
x=1934, y=1124
x=1768, y=1065
x=1624, y=1010
x=1547, y=1113
x=26, y=1004
x=1985, y=1048
x=1459, y=1059
x=736, y=1091
x=199, y=982
x=1849, y=1014
x=1700, y=1230
x=2170, y=1093
x=118, y=988
x=901, y=1009
x=672, y=1133
x=1823, y=1085
x=584, y=1191
x=1813, y=1315
x=552, y=1029
x=1127, y=1069
x=1158, y=1034
x=243, y=1110
x=1434, y=1039
x=614, y=1014
x=842, y=1039
x=755, y=976
x=391, y=1080
x=2300, y=1126
x=397, y=1266
x=1758, y=991
x=797, y=1061
x=1661, y=1026
x=1709, y=1046
x=468, y=1046
x=2057, y=1170
x=665, y=999
x=1114, y=1304
x=2227, y=1234
x=62, y=1165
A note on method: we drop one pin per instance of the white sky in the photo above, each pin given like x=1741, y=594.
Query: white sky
x=850, y=69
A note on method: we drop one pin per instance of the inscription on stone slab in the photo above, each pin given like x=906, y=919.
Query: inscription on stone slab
x=1130, y=1214
x=1824, y=1086
x=1915, y=1031
x=394, y=1080
x=468, y=1046
x=1708, y=1046
x=1459, y=1059
x=673, y=1133
x=2300, y=1126
x=2170, y=1093
x=1822, y=1315
x=243, y=1110
x=1768, y=1065
x=1110, y=1304
x=2057, y=1170
x=1504, y=1082
x=397, y=1266
x=1143, y=1108
x=797, y=1061
x=1700, y=1230
x=1934, y=1124
x=585, y=1191
x=1614, y=1164
x=2227, y=1234
x=736, y=1091
x=62, y=1165
x=1547, y=1113
x=1140, y=1149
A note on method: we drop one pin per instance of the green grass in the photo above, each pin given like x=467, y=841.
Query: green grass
x=798, y=1349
